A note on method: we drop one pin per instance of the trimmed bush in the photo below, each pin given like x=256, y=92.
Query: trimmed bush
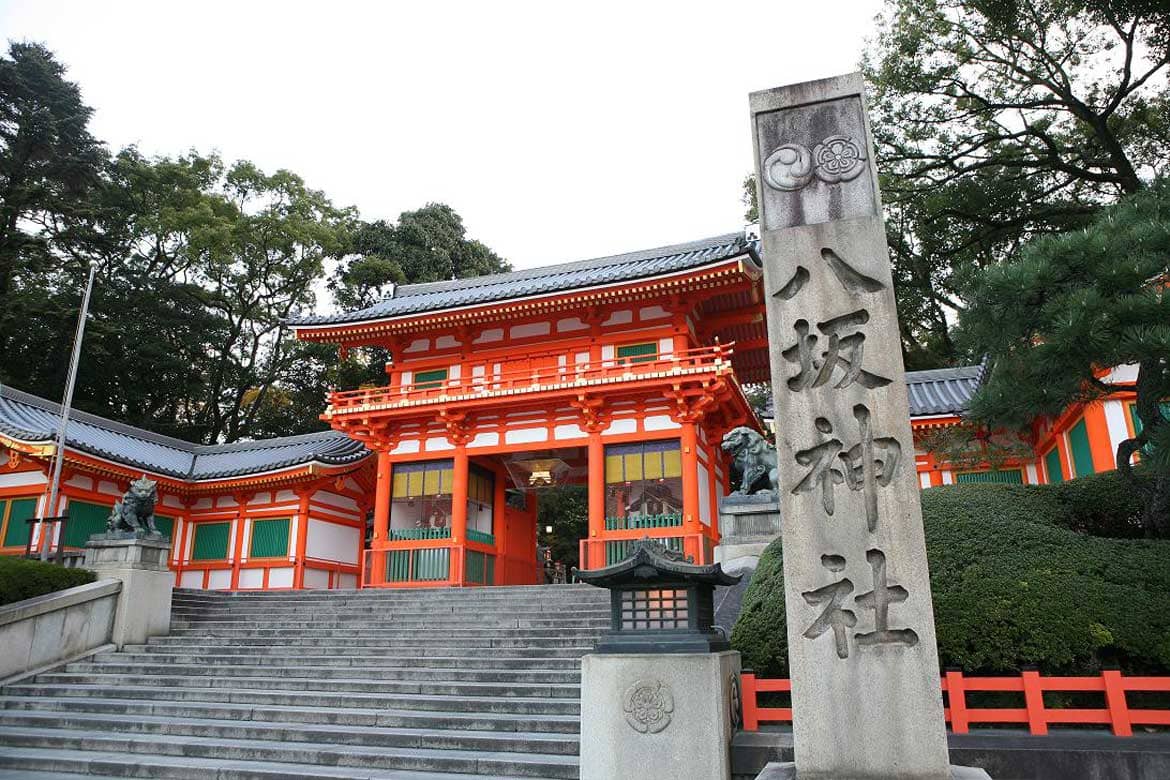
x=1013, y=586
x=21, y=579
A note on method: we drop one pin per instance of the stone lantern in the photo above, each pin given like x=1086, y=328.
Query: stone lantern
x=659, y=697
x=660, y=602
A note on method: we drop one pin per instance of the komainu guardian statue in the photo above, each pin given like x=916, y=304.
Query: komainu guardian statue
x=135, y=512
x=754, y=459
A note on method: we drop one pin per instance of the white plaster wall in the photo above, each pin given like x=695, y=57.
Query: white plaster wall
x=280, y=578
x=225, y=501
x=21, y=478
x=418, y=345
x=251, y=578
x=191, y=579
x=332, y=498
x=704, y=495
x=80, y=481
x=260, y=498
x=665, y=346
x=621, y=317
x=570, y=324
x=316, y=579
x=406, y=447
x=438, y=444
x=1033, y=475
x=948, y=478
x=173, y=501
x=219, y=579
x=286, y=495
x=525, y=435
x=924, y=479
x=109, y=488
x=347, y=581
x=1126, y=373
x=530, y=329
x=203, y=503
x=446, y=342
x=485, y=439
x=1115, y=420
x=569, y=432
x=623, y=425
x=332, y=541
x=652, y=313
x=492, y=334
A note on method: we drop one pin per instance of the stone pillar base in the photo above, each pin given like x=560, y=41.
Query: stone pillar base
x=787, y=771
x=658, y=716
x=140, y=562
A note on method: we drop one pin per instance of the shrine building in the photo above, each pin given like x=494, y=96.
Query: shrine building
x=619, y=373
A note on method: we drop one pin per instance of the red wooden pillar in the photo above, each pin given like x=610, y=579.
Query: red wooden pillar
x=381, y=518
x=692, y=526
x=238, y=553
x=500, y=529
x=302, y=541
x=748, y=693
x=596, y=500
x=459, y=478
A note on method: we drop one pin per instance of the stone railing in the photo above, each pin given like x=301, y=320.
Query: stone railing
x=56, y=627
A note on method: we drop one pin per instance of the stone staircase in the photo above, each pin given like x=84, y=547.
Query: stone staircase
x=433, y=684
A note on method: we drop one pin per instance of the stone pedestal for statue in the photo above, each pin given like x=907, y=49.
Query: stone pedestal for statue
x=658, y=716
x=747, y=524
x=140, y=562
x=866, y=696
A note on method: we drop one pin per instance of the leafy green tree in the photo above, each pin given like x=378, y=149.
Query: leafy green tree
x=1000, y=121
x=566, y=509
x=426, y=245
x=49, y=164
x=1054, y=318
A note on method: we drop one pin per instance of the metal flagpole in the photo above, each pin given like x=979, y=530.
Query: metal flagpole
x=50, y=509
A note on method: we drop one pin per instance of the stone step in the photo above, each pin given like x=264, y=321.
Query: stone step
x=305, y=753
x=286, y=658
x=382, y=627
x=398, y=673
x=61, y=764
x=270, y=647
x=341, y=716
x=358, y=736
x=520, y=705
x=396, y=624
x=555, y=646
x=216, y=680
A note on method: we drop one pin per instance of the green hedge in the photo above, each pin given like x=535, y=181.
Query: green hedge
x=1014, y=585
x=21, y=579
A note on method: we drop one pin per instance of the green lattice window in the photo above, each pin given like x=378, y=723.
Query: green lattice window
x=211, y=541
x=84, y=521
x=425, y=380
x=1002, y=477
x=639, y=353
x=480, y=568
x=1052, y=466
x=1137, y=421
x=418, y=565
x=1082, y=453
x=13, y=513
x=165, y=525
x=269, y=539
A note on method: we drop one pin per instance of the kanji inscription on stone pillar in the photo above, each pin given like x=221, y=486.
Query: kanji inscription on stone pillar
x=861, y=644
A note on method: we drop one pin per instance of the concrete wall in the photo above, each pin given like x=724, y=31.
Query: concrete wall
x=49, y=629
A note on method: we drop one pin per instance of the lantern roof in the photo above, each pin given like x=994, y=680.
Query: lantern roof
x=650, y=563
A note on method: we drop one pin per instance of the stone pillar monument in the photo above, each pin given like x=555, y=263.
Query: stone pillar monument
x=861, y=646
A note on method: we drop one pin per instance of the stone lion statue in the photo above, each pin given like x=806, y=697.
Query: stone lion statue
x=754, y=459
x=135, y=512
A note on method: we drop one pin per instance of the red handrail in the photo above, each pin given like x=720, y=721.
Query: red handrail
x=711, y=357
x=1117, y=714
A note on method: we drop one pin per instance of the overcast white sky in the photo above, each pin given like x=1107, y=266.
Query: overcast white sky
x=558, y=131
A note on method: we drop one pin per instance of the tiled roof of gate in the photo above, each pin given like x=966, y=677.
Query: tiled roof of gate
x=30, y=418
x=937, y=391
x=434, y=296
x=942, y=390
